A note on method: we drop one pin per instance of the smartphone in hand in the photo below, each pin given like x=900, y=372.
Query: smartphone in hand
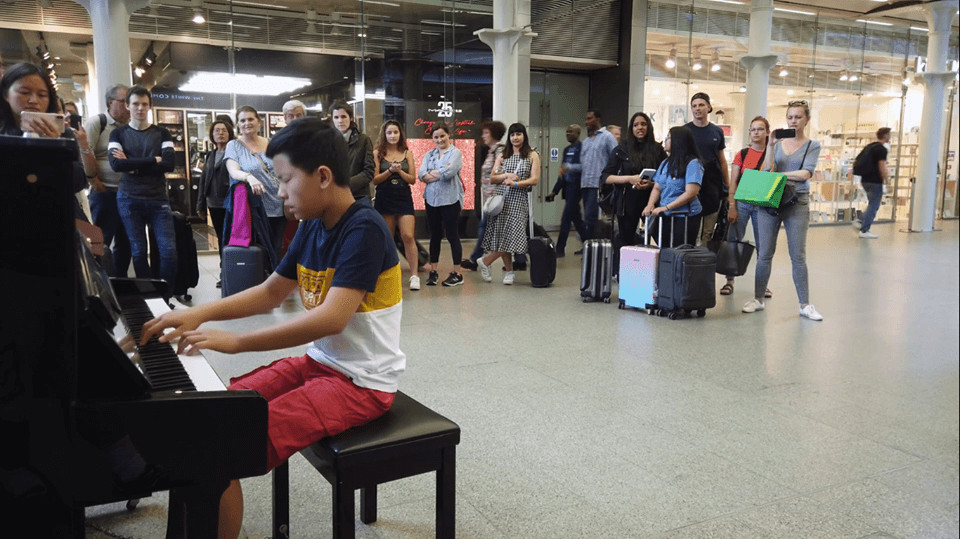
x=648, y=173
x=29, y=119
x=784, y=133
x=75, y=121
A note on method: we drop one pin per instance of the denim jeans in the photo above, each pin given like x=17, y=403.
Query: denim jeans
x=103, y=209
x=478, y=248
x=137, y=214
x=591, y=211
x=796, y=221
x=745, y=212
x=874, y=196
x=571, y=215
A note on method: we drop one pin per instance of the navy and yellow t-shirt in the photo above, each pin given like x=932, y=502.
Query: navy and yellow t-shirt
x=359, y=253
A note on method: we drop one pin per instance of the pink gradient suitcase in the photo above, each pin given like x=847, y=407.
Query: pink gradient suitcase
x=638, y=274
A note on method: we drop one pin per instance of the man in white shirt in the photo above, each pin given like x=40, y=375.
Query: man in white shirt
x=104, y=182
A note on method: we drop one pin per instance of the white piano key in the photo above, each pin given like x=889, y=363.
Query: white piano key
x=201, y=373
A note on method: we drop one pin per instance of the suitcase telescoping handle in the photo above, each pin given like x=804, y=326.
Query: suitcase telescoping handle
x=646, y=230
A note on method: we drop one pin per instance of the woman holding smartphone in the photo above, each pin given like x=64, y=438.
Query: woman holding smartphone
x=394, y=165
x=791, y=153
x=638, y=150
x=677, y=186
x=29, y=104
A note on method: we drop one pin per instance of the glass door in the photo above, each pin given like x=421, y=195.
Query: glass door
x=556, y=101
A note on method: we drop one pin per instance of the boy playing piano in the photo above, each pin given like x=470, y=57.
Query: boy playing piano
x=345, y=264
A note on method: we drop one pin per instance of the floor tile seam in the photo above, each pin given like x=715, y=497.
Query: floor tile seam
x=534, y=516
x=797, y=496
x=870, y=437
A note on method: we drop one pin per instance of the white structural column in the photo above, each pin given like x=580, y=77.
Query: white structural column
x=638, y=56
x=94, y=106
x=111, y=43
x=940, y=17
x=510, y=40
x=758, y=62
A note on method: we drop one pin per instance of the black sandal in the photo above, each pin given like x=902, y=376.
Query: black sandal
x=726, y=290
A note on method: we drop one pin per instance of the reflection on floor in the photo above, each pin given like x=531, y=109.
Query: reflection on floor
x=581, y=420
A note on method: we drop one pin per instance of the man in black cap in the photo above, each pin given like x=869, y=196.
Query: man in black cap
x=716, y=175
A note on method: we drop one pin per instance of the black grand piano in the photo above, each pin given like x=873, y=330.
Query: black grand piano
x=86, y=416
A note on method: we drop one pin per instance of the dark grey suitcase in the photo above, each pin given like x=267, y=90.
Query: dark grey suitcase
x=597, y=271
x=242, y=268
x=686, y=281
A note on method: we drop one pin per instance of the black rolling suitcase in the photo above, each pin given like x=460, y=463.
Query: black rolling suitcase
x=542, y=252
x=188, y=268
x=241, y=268
x=422, y=255
x=596, y=273
x=686, y=281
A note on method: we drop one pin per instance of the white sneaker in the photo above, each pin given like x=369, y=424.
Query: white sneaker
x=868, y=235
x=753, y=306
x=810, y=312
x=484, y=270
x=509, y=277
x=414, y=282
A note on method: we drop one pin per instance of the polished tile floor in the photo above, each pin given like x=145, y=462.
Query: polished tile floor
x=582, y=420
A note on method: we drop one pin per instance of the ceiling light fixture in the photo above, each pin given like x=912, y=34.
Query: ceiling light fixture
x=697, y=64
x=198, y=17
x=783, y=71
x=715, y=63
x=672, y=59
x=213, y=83
x=854, y=77
x=844, y=76
x=797, y=11
x=878, y=23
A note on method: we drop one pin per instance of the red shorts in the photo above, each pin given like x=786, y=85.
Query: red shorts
x=308, y=401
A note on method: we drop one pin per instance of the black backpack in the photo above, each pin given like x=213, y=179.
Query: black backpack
x=860, y=166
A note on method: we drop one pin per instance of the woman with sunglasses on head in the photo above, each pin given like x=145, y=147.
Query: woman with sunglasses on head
x=796, y=158
x=637, y=150
x=394, y=165
x=739, y=213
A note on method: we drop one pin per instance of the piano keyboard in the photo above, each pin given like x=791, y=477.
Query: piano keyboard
x=166, y=369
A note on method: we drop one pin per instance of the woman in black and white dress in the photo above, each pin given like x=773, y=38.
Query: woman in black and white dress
x=515, y=171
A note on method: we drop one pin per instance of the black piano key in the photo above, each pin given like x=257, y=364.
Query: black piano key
x=160, y=360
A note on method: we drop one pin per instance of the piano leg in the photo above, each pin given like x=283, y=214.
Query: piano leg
x=194, y=511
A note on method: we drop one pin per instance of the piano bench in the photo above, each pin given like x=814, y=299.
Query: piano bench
x=410, y=439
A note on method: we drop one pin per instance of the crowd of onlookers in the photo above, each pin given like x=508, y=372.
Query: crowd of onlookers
x=625, y=173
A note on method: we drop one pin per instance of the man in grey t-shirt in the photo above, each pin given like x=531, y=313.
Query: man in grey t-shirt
x=104, y=181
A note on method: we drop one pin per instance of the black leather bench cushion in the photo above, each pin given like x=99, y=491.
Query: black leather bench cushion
x=406, y=423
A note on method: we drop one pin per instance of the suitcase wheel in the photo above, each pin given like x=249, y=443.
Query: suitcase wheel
x=701, y=313
x=674, y=315
x=661, y=312
x=606, y=300
x=621, y=304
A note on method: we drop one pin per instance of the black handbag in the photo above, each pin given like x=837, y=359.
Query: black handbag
x=733, y=257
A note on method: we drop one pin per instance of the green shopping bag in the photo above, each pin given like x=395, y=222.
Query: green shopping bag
x=761, y=188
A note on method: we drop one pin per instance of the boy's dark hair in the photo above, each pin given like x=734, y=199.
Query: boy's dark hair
x=139, y=90
x=683, y=149
x=497, y=129
x=310, y=143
